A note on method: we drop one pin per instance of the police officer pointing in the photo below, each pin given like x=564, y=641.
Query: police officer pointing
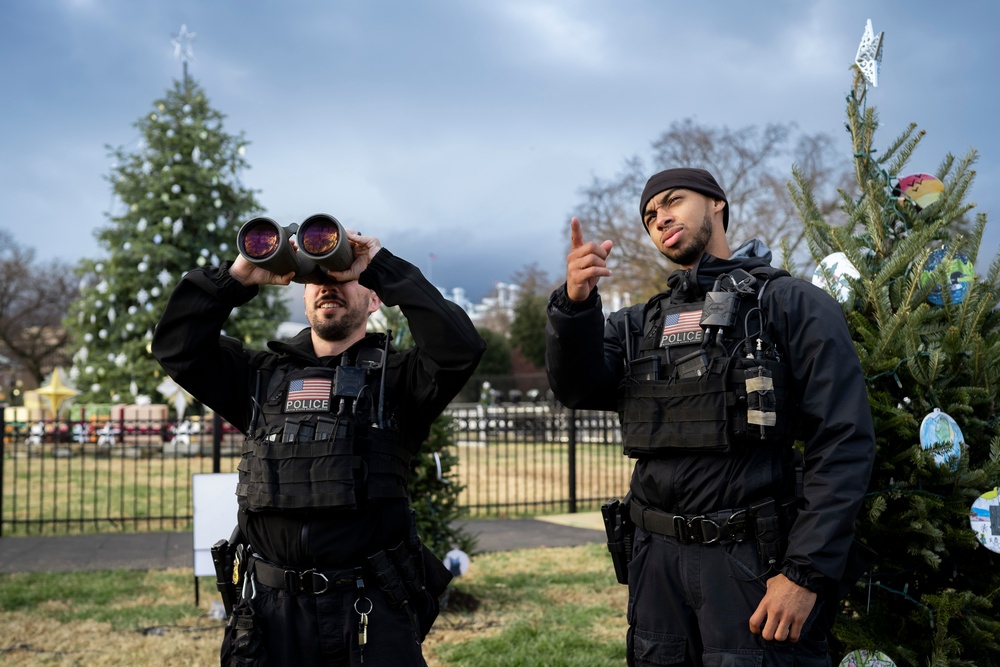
x=740, y=542
x=330, y=570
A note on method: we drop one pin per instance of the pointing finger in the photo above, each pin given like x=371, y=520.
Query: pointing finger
x=576, y=234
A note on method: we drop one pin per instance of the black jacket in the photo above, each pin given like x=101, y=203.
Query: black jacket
x=585, y=361
x=420, y=382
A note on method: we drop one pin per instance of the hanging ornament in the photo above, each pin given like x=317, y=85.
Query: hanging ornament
x=103, y=333
x=192, y=198
x=920, y=189
x=176, y=189
x=960, y=272
x=178, y=226
x=170, y=133
x=158, y=239
x=88, y=337
x=985, y=519
x=141, y=267
x=224, y=247
x=164, y=277
x=869, y=56
x=839, y=270
x=129, y=327
x=127, y=245
x=155, y=291
x=178, y=157
x=112, y=314
x=186, y=108
x=101, y=287
x=147, y=168
x=141, y=225
x=94, y=388
x=221, y=222
x=142, y=296
x=167, y=221
x=939, y=429
x=865, y=658
x=132, y=310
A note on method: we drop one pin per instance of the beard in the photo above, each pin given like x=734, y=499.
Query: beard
x=339, y=328
x=688, y=253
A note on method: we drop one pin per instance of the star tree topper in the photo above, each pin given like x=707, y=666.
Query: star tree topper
x=182, y=44
x=869, y=57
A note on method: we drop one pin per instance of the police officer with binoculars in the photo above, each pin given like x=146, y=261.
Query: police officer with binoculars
x=326, y=564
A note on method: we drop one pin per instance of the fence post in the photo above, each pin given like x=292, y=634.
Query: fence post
x=571, y=452
x=3, y=454
x=216, y=442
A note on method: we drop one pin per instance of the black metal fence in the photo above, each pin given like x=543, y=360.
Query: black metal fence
x=103, y=475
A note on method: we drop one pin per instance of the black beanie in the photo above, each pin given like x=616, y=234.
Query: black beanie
x=697, y=180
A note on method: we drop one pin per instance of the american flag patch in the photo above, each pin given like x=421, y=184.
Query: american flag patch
x=682, y=328
x=308, y=394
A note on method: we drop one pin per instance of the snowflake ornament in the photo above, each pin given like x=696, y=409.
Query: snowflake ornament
x=869, y=57
x=164, y=277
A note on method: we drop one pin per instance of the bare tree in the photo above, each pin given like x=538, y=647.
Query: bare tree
x=752, y=165
x=34, y=299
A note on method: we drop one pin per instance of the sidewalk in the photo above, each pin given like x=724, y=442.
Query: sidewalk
x=157, y=551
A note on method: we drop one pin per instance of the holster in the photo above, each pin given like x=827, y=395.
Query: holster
x=411, y=576
x=226, y=574
x=620, y=531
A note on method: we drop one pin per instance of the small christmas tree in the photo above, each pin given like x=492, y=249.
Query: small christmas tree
x=183, y=205
x=433, y=484
x=927, y=330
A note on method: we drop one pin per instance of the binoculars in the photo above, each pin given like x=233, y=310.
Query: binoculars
x=321, y=239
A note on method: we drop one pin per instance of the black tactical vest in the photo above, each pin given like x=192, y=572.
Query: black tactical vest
x=321, y=441
x=682, y=393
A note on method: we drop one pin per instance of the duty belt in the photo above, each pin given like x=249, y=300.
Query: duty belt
x=702, y=529
x=309, y=582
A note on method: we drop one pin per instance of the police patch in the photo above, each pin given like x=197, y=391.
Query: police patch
x=308, y=395
x=682, y=328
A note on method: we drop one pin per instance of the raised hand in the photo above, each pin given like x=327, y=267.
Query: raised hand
x=586, y=263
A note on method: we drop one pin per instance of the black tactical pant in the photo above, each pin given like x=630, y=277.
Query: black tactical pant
x=311, y=630
x=690, y=605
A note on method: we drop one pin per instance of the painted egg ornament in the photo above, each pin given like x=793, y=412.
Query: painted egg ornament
x=985, y=520
x=961, y=273
x=865, y=658
x=921, y=189
x=838, y=269
x=937, y=429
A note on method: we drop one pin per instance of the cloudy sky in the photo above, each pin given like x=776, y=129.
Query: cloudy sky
x=463, y=129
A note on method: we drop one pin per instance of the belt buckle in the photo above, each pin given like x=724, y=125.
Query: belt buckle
x=702, y=520
x=682, y=529
x=296, y=582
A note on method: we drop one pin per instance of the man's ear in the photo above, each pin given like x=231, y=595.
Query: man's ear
x=374, y=303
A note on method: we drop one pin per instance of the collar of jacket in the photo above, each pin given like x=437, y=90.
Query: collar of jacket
x=300, y=346
x=685, y=285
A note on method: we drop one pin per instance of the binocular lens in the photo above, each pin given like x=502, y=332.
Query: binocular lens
x=261, y=240
x=319, y=237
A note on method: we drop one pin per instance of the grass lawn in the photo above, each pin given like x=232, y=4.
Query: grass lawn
x=554, y=607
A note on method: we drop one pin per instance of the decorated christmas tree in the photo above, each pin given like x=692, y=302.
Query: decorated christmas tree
x=927, y=330
x=182, y=203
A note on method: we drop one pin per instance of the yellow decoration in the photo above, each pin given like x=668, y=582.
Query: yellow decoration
x=57, y=391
